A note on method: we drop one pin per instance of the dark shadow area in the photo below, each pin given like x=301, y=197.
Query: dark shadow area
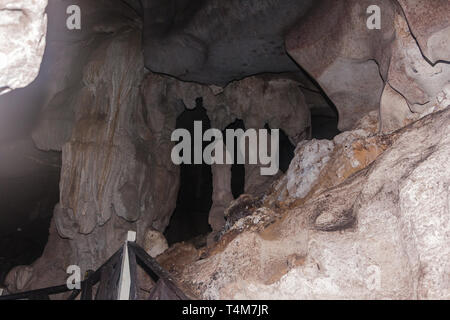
x=286, y=149
x=237, y=170
x=190, y=218
x=324, y=114
x=27, y=209
x=324, y=122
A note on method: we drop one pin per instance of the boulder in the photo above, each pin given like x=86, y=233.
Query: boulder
x=23, y=29
x=430, y=25
x=411, y=74
x=155, y=243
x=349, y=61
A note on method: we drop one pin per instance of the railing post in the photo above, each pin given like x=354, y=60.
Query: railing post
x=125, y=276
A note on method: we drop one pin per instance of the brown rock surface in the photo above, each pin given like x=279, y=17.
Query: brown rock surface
x=381, y=234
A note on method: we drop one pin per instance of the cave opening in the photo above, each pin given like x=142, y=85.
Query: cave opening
x=190, y=217
x=324, y=122
x=286, y=149
x=324, y=113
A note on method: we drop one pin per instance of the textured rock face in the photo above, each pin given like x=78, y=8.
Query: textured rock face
x=117, y=174
x=321, y=164
x=23, y=28
x=335, y=46
x=256, y=100
x=54, y=92
x=114, y=169
x=215, y=42
x=45, y=270
x=19, y=278
x=110, y=171
x=312, y=156
x=331, y=42
x=155, y=243
x=67, y=53
x=430, y=25
x=411, y=75
x=352, y=63
x=366, y=214
x=381, y=234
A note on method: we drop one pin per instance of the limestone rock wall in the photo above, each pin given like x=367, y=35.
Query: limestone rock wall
x=361, y=69
x=255, y=100
x=415, y=85
x=348, y=60
x=382, y=233
x=117, y=174
x=430, y=25
x=215, y=42
x=364, y=215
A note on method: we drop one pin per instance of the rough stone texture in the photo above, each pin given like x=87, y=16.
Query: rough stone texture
x=321, y=164
x=155, y=243
x=257, y=101
x=28, y=177
x=113, y=165
x=46, y=270
x=67, y=53
x=410, y=74
x=310, y=158
x=215, y=42
x=351, y=216
x=381, y=234
x=240, y=208
x=19, y=278
x=23, y=28
x=351, y=62
x=394, y=111
x=430, y=25
x=117, y=174
x=108, y=173
x=222, y=195
x=334, y=45
x=418, y=74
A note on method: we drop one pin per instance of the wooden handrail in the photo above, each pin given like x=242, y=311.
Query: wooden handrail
x=108, y=276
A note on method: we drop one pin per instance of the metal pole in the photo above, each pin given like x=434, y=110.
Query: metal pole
x=125, y=276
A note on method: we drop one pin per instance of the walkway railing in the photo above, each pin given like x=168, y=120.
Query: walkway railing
x=116, y=279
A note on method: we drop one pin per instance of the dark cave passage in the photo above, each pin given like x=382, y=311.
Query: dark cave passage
x=30, y=201
x=286, y=149
x=324, y=113
x=190, y=217
x=324, y=123
x=237, y=170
